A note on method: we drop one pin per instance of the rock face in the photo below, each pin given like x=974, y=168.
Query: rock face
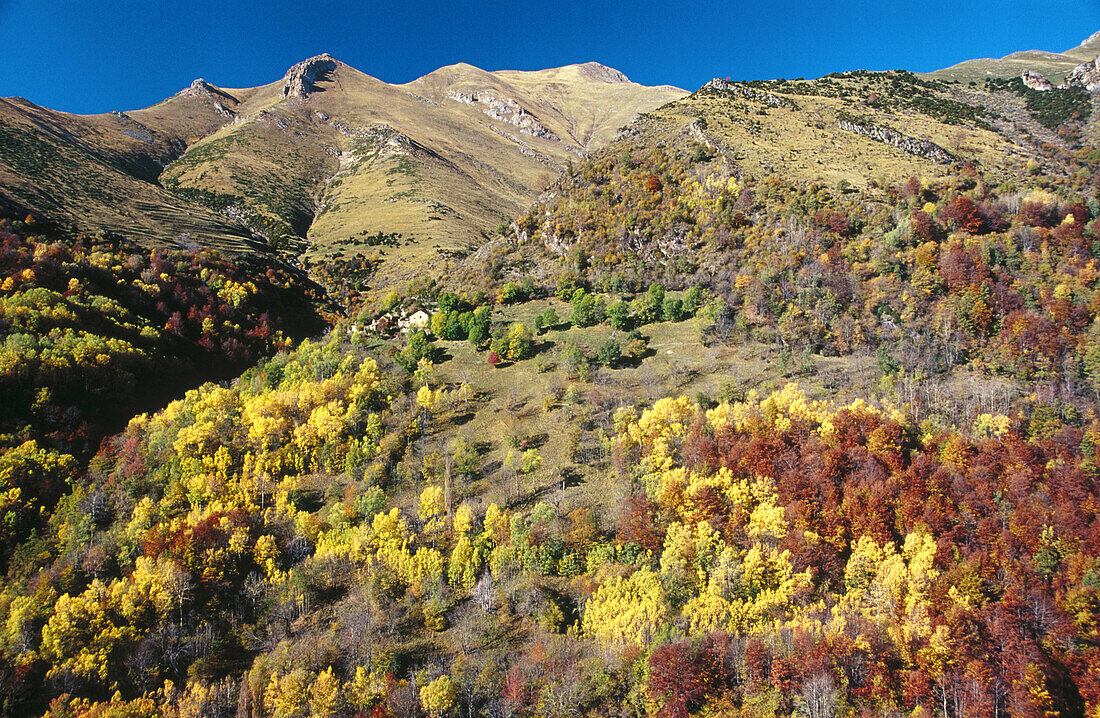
x=1036, y=81
x=921, y=148
x=202, y=89
x=198, y=88
x=1085, y=75
x=504, y=109
x=299, y=79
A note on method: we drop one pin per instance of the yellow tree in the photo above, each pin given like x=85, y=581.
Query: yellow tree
x=324, y=695
x=626, y=611
x=438, y=697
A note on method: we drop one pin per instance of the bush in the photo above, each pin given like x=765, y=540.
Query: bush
x=636, y=348
x=609, y=353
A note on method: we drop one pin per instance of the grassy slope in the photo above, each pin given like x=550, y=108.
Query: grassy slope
x=1055, y=66
x=359, y=156
x=99, y=171
x=512, y=396
x=805, y=144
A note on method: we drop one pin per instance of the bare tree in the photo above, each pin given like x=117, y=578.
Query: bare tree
x=485, y=592
x=177, y=582
x=817, y=696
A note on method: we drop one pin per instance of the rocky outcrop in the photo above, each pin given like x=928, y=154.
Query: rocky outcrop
x=463, y=97
x=504, y=109
x=299, y=79
x=921, y=148
x=198, y=88
x=1035, y=81
x=696, y=133
x=203, y=90
x=133, y=128
x=748, y=93
x=1085, y=75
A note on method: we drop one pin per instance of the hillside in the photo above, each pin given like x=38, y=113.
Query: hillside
x=780, y=398
x=326, y=161
x=1054, y=65
x=678, y=194
x=88, y=173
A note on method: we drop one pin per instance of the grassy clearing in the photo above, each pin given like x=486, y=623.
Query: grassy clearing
x=540, y=403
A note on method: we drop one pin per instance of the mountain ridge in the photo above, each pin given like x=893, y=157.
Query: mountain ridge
x=239, y=167
x=1055, y=65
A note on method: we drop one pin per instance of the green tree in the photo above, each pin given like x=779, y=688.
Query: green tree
x=672, y=310
x=693, y=300
x=418, y=347
x=609, y=353
x=550, y=318
x=512, y=293
x=478, y=330
x=584, y=309
x=618, y=316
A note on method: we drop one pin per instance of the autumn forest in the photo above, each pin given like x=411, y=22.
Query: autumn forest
x=701, y=431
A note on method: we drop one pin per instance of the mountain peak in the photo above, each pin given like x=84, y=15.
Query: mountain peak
x=197, y=88
x=299, y=79
x=603, y=73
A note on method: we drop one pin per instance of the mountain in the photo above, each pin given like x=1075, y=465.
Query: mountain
x=652, y=205
x=780, y=399
x=1056, y=66
x=101, y=171
x=321, y=161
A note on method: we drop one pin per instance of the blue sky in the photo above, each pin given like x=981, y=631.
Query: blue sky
x=88, y=56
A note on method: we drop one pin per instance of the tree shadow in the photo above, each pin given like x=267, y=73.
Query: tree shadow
x=535, y=441
x=571, y=476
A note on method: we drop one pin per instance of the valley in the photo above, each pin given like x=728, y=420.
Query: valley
x=546, y=393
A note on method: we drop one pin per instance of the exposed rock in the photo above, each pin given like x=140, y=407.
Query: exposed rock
x=299, y=79
x=1085, y=75
x=461, y=97
x=424, y=100
x=921, y=148
x=198, y=88
x=272, y=119
x=695, y=132
x=1036, y=81
x=202, y=89
x=505, y=109
x=748, y=93
x=133, y=128
x=538, y=156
